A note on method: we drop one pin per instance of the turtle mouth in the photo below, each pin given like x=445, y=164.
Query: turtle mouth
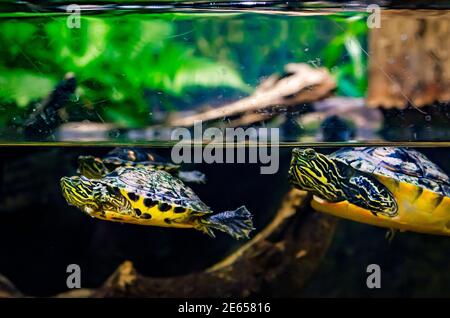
x=291, y=174
x=293, y=164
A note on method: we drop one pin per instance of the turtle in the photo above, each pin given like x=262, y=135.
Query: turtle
x=95, y=168
x=144, y=196
x=393, y=187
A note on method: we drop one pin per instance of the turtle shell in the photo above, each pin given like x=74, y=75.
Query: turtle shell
x=156, y=185
x=120, y=156
x=404, y=165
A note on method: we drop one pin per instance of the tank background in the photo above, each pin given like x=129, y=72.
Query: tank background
x=412, y=265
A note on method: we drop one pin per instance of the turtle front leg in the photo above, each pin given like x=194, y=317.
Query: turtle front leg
x=112, y=200
x=370, y=194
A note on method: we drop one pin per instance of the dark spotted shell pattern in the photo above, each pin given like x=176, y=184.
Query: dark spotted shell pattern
x=156, y=185
x=402, y=164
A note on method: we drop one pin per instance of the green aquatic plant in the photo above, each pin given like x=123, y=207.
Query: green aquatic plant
x=115, y=61
x=129, y=66
x=346, y=55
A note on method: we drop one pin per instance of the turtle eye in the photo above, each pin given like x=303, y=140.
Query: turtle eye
x=310, y=153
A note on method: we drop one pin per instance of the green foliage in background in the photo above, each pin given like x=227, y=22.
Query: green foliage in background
x=346, y=56
x=263, y=44
x=123, y=63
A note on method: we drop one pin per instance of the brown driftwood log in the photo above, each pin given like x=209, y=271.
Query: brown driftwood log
x=7, y=289
x=410, y=66
x=277, y=262
x=300, y=84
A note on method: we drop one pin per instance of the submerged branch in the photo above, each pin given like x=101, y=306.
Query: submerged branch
x=300, y=84
x=294, y=242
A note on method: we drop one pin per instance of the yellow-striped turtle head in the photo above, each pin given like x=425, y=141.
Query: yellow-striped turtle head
x=91, y=167
x=79, y=191
x=93, y=197
x=316, y=173
x=335, y=181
